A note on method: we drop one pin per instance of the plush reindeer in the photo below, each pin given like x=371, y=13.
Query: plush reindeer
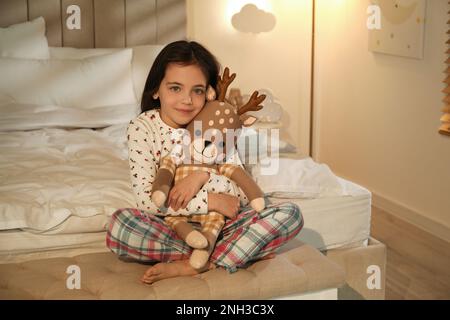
x=208, y=150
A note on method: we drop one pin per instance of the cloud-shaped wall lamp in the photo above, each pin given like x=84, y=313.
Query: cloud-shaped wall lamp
x=251, y=19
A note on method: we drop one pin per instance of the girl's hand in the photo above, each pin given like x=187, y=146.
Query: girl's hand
x=186, y=189
x=224, y=204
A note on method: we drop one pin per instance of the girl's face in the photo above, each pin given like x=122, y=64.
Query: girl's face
x=182, y=94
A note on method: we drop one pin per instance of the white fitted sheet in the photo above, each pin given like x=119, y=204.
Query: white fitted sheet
x=18, y=245
x=330, y=223
x=335, y=222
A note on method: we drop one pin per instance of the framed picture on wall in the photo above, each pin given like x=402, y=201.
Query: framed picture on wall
x=402, y=28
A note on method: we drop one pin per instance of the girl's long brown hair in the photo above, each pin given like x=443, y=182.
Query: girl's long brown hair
x=184, y=53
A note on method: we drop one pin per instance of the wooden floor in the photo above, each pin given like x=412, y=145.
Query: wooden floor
x=418, y=263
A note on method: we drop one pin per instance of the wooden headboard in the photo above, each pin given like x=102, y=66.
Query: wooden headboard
x=101, y=23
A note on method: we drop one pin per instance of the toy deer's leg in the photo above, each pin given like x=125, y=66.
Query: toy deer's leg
x=212, y=224
x=186, y=231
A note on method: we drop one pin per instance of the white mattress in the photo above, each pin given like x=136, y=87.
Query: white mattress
x=329, y=223
x=18, y=246
x=335, y=222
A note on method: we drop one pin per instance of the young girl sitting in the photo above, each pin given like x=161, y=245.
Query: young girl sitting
x=174, y=93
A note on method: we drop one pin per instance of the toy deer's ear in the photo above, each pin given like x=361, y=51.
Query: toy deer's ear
x=247, y=120
x=210, y=94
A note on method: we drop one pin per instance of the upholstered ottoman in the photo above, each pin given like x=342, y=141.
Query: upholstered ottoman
x=295, y=273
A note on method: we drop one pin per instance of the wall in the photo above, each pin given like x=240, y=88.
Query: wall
x=377, y=116
x=102, y=23
x=278, y=60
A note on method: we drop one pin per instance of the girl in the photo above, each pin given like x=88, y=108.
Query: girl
x=182, y=76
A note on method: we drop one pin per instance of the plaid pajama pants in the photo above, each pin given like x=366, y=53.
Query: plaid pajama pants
x=142, y=236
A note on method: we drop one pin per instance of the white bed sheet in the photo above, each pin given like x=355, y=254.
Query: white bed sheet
x=336, y=222
x=330, y=223
x=19, y=246
x=50, y=175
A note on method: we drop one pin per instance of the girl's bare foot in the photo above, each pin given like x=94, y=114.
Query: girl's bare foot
x=179, y=268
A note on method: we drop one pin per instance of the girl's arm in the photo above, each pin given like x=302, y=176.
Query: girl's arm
x=144, y=162
x=224, y=204
x=185, y=189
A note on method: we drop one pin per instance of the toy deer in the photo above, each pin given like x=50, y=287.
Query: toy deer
x=208, y=151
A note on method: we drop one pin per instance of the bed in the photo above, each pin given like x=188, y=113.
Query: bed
x=60, y=187
x=90, y=168
x=64, y=168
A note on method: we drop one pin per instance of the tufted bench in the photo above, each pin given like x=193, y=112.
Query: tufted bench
x=104, y=276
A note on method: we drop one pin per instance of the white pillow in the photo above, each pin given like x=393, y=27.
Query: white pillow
x=88, y=83
x=254, y=145
x=24, y=40
x=296, y=178
x=143, y=58
x=20, y=117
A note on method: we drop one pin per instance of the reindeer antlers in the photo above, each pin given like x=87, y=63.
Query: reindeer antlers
x=224, y=82
x=252, y=104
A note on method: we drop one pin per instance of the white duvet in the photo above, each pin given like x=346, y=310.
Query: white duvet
x=49, y=177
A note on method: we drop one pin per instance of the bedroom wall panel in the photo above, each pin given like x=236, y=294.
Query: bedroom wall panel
x=104, y=23
x=109, y=26
x=140, y=22
x=171, y=20
x=13, y=11
x=79, y=38
x=51, y=11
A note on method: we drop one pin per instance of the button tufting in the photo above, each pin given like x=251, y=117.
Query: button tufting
x=103, y=278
